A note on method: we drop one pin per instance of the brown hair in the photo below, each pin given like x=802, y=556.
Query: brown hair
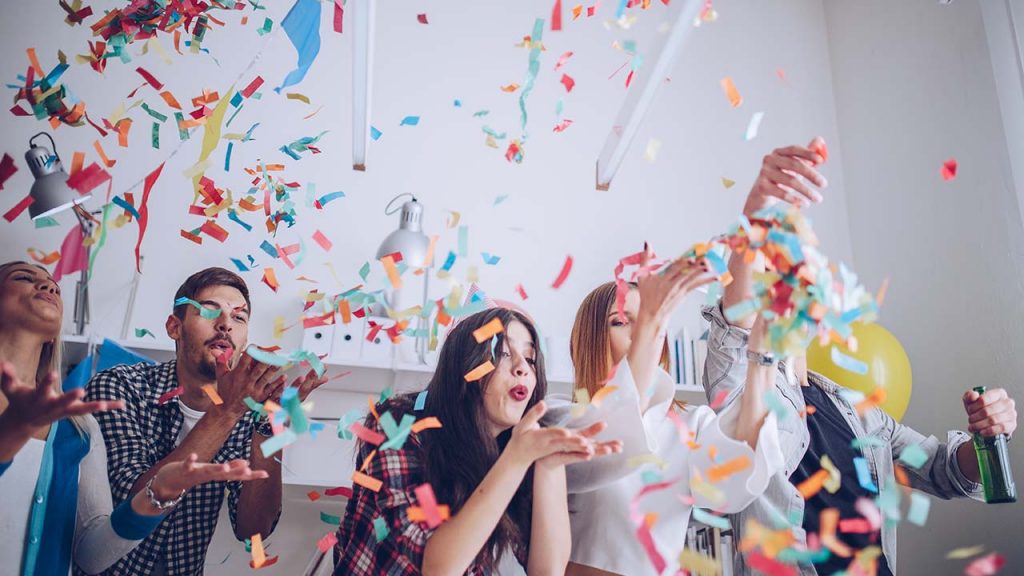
x=589, y=345
x=203, y=279
x=51, y=356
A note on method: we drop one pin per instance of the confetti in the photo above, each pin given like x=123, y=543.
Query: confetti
x=848, y=363
x=18, y=208
x=302, y=25
x=367, y=482
x=754, y=126
x=327, y=542
x=479, y=372
x=166, y=396
x=380, y=529
x=735, y=100
x=919, y=505
x=566, y=268
x=410, y=121
x=259, y=557
x=722, y=471
x=966, y=552
x=864, y=475
x=651, y=151
x=322, y=240
x=948, y=171
x=425, y=424
x=986, y=565
x=701, y=515
x=562, y=60
x=141, y=332
x=728, y=183
x=207, y=313
x=7, y=169
x=568, y=82
x=485, y=332
x=422, y=19
x=913, y=456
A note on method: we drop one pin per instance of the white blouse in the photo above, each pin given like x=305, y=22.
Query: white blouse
x=605, y=508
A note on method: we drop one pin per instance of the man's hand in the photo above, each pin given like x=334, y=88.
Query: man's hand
x=249, y=378
x=991, y=413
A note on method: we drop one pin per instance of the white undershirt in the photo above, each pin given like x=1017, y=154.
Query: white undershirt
x=189, y=417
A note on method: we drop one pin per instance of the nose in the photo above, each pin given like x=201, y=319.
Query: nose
x=48, y=285
x=519, y=366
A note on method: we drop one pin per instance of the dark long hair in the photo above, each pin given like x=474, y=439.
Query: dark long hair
x=457, y=456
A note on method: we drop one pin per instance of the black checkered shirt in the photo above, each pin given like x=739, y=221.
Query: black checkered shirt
x=140, y=436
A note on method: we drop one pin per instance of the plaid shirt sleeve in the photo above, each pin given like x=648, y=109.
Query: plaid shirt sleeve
x=235, y=488
x=400, y=553
x=128, y=453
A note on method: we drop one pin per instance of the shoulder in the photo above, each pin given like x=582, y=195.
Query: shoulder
x=132, y=380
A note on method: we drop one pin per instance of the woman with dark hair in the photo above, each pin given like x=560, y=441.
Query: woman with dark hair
x=54, y=491
x=500, y=475
x=674, y=457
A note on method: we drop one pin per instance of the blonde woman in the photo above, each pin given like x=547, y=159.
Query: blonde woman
x=53, y=464
x=629, y=511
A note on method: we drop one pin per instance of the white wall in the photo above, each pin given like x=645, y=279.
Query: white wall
x=466, y=52
x=914, y=86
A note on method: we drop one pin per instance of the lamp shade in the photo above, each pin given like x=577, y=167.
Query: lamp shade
x=409, y=240
x=50, y=192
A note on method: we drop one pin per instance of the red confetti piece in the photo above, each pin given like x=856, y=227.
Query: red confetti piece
x=986, y=565
x=562, y=125
x=949, y=169
x=566, y=268
x=7, y=169
x=345, y=491
x=166, y=396
x=568, y=82
x=521, y=291
x=19, y=208
x=149, y=78
x=365, y=434
x=252, y=87
x=190, y=236
x=760, y=562
x=428, y=504
x=339, y=16
x=88, y=178
x=562, y=59
x=322, y=240
x=327, y=542
x=556, y=16
x=422, y=18
x=144, y=214
x=270, y=279
x=643, y=534
x=213, y=230
x=313, y=495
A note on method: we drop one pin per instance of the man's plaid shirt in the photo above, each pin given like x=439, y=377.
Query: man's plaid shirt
x=138, y=437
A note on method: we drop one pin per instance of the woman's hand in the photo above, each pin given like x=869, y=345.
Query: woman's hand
x=34, y=406
x=784, y=176
x=530, y=442
x=599, y=448
x=661, y=293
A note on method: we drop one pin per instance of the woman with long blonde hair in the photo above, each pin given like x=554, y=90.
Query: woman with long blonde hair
x=629, y=511
x=53, y=464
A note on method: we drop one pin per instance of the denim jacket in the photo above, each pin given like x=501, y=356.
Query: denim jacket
x=782, y=506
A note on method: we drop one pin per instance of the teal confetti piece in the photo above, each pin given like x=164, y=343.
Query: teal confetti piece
x=227, y=156
x=867, y=442
x=449, y=261
x=124, y=204
x=208, y=313
x=914, y=456
x=330, y=519
x=532, y=69
x=315, y=427
x=375, y=134
x=700, y=515
x=410, y=121
x=500, y=199
x=490, y=259
x=240, y=265
x=326, y=198
x=458, y=103
x=345, y=421
x=140, y=332
x=277, y=442
x=864, y=474
x=289, y=152
x=493, y=133
x=380, y=529
x=385, y=394
x=741, y=310
x=46, y=222
x=396, y=433
x=254, y=405
x=182, y=131
x=155, y=136
x=919, y=506
x=775, y=405
x=471, y=308
x=364, y=271
x=268, y=25
x=268, y=358
x=233, y=216
x=156, y=115
x=421, y=401
x=463, y=241
x=293, y=406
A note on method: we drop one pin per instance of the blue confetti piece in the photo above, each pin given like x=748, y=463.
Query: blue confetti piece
x=330, y=197
x=848, y=363
x=449, y=261
x=864, y=475
x=490, y=259
x=421, y=401
x=124, y=204
x=458, y=103
x=240, y=265
x=208, y=313
x=269, y=249
x=233, y=216
x=375, y=134
x=410, y=121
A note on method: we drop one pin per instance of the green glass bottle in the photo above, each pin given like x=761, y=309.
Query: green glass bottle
x=994, y=465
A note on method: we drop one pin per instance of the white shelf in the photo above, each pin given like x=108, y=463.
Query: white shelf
x=151, y=345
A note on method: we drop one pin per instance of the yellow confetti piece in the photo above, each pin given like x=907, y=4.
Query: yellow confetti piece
x=965, y=552
x=485, y=332
x=834, y=477
x=728, y=183
x=651, y=152
x=211, y=391
x=699, y=564
x=480, y=371
x=601, y=394
x=453, y=219
x=297, y=96
x=641, y=459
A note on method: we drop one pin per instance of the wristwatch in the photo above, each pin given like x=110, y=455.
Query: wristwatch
x=161, y=504
x=761, y=358
x=263, y=428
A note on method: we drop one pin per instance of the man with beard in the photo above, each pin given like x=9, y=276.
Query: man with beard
x=195, y=403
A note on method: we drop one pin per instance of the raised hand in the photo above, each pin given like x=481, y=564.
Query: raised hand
x=248, y=378
x=33, y=406
x=530, y=442
x=176, y=477
x=785, y=174
x=599, y=448
x=308, y=382
x=991, y=413
x=660, y=293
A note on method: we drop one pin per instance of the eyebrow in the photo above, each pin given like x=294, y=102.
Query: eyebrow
x=532, y=345
x=33, y=270
x=242, y=308
x=616, y=313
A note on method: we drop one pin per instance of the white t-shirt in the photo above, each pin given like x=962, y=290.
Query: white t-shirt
x=188, y=422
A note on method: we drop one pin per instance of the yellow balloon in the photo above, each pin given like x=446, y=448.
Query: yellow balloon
x=888, y=366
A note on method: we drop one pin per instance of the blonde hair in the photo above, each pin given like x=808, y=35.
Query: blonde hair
x=51, y=356
x=590, y=345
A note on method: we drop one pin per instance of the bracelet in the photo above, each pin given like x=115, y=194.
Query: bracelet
x=263, y=427
x=761, y=358
x=161, y=504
